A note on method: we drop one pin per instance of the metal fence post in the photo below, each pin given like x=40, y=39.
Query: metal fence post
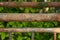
x=54, y=35
x=10, y=35
x=32, y=35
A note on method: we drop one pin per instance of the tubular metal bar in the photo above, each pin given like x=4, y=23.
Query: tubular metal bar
x=54, y=35
x=57, y=30
x=10, y=35
x=29, y=17
x=30, y=4
x=32, y=35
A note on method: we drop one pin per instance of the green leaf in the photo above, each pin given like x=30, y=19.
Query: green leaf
x=59, y=36
x=55, y=23
x=3, y=35
x=26, y=10
x=1, y=8
x=19, y=38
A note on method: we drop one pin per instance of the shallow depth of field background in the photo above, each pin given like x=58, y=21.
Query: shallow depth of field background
x=27, y=36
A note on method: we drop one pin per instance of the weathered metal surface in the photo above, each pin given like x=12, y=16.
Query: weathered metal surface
x=10, y=36
x=57, y=30
x=54, y=35
x=32, y=35
x=30, y=4
x=29, y=17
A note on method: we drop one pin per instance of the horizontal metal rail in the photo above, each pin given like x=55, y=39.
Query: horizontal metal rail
x=56, y=30
x=30, y=4
x=29, y=17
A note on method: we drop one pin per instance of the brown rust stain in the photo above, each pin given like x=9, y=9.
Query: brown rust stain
x=30, y=4
x=30, y=17
x=58, y=17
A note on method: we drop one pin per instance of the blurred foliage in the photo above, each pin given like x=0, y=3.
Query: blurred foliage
x=27, y=36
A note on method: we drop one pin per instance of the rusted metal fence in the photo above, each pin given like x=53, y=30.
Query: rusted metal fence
x=30, y=17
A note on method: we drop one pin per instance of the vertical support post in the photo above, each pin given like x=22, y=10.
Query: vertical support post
x=54, y=35
x=32, y=35
x=10, y=35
